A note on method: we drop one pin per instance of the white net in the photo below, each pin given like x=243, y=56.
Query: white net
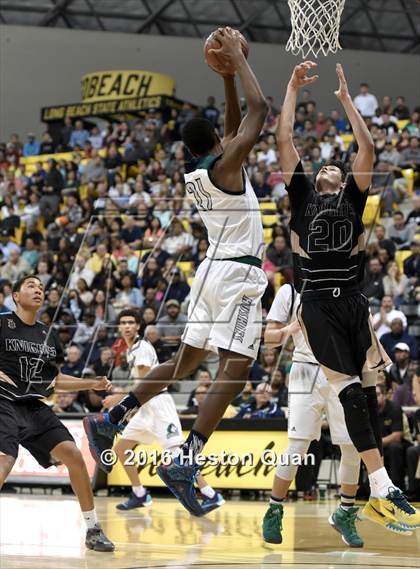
x=315, y=26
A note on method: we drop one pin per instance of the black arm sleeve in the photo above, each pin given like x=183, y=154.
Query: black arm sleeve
x=300, y=188
x=357, y=197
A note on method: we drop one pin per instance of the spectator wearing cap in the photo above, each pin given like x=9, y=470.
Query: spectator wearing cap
x=74, y=364
x=171, y=326
x=399, y=337
x=32, y=147
x=382, y=319
x=366, y=103
x=399, y=371
x=178, y=289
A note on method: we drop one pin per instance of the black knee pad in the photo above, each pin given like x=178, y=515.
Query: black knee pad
x=372, y=403
x=357, y=417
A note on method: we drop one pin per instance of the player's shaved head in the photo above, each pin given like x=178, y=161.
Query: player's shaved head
x=199, y=136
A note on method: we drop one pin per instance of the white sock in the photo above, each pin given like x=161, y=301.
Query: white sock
x=90, y=518
x=139, y=491
x=208, y=491
x=380, y=483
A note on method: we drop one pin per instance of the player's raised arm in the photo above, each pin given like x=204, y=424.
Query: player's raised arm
x=284, y=135
x=239, y=147
x=232, y=109
x=365, y=158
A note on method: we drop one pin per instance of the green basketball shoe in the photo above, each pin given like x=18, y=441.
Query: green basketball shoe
x=344, y=521
x=272, y=525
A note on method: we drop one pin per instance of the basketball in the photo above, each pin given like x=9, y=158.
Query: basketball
x=214, y=61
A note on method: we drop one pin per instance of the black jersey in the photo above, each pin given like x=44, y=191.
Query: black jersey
x=29, y=358
x=327, y=236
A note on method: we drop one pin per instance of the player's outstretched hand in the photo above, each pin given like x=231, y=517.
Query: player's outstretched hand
x=343, y=90
x=230, y=51
x=300, y=77
x=103, y=384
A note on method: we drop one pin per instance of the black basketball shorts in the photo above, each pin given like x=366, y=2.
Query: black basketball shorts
x=340, y=333
x=33, y=425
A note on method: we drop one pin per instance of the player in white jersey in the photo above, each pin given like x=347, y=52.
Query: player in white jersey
x=225, y=307
x=310, y=396
x=156, y=420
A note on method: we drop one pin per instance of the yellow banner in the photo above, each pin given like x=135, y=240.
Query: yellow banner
x=236, y=459
x=116, y=85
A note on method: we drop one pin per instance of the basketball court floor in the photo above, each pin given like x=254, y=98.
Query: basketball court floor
x=38, y=532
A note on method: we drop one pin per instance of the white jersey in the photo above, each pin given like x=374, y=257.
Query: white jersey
x=232, y=220
x=142, y=353
x=281, y=311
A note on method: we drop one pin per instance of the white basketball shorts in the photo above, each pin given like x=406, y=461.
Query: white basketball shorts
x=156, y=420
x=310, y=397
x=225, y=307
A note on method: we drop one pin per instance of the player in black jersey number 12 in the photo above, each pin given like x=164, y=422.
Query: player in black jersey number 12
x=29, y=359
x=327, y=236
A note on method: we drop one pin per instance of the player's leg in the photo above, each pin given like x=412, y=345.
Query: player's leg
x=345, y=516
x=211, y=498
x=306, y=406
x=102, y=428
x=9, y=437
x=348, y=326
x=285, y=473
x=68, y=453
x=6, y=465
x=139, y=496
x=180, y=475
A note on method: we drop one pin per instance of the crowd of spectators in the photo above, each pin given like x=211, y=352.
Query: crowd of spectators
x=107, y=225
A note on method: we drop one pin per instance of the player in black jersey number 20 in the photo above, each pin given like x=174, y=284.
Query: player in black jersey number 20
x=327, y=236
x=29, y=359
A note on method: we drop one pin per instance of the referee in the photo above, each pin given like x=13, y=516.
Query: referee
x=328, y=245
x=30, y=354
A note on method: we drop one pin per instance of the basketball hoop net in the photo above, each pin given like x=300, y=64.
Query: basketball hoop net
x=315, y=26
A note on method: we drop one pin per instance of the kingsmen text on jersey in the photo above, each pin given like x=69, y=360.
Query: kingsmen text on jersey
x=232, y=219
x=29, y=356
x=327, y=235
